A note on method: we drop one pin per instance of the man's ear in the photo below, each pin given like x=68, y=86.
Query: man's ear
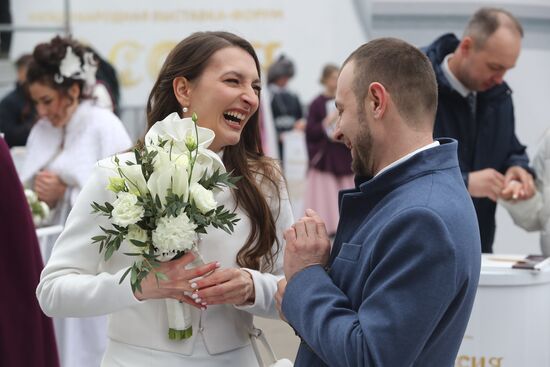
x=466, y=45
x=377, y=99
x=182, y=90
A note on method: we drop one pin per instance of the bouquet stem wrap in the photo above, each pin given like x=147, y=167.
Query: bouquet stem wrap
x=179, y=313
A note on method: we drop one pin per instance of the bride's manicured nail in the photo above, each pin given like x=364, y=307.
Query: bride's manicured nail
x=194, y=295
x=204, y=303
x=218, y=264
x=198, y=300
x=193, y=285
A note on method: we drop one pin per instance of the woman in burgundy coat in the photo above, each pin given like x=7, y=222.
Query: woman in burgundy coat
x=329, y=160
x=26, y=334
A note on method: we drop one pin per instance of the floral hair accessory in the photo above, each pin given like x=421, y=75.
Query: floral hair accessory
x=72, y=67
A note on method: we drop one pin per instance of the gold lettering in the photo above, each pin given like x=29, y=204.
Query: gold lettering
x=268, y=50
x=471, y=361
x=157, y=56
x=461, y=359
x=481, y=362
x=256, y=14
x=123, y=55
x=46, y=17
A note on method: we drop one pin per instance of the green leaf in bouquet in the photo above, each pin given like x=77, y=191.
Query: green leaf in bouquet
x=219, y=180
x=137, y=154
x=103, y=210
x=133, y=276
x=109, y=231
x=109, y=252
x=120, y=229
x=201, y=229
x=224, y=219
x=161, y=142
x=174, y=204
x=132, y=253
x=138, y=243
x=105, y=229
x=125, y=275
x=98, y=238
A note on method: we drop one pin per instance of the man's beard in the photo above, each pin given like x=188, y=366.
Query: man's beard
x=362, y=151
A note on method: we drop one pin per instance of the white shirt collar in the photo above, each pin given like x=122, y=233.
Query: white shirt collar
x=451, y=78
x=403, y=159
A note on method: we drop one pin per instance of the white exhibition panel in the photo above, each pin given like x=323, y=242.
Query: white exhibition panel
x=510, y=321
x=135, y=35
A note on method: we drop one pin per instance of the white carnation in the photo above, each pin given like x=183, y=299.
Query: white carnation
x=126, y=211
x=203, y=198
x=174, y=234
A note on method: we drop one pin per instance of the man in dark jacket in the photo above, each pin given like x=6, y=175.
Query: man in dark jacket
x=475, y=107
x=17, y=114
x=399, y=284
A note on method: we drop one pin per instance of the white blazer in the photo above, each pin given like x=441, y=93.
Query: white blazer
x=534, y=214
x=77, y=282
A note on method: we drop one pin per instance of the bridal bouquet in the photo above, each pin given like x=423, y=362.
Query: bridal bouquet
x=39, y=209
x=164, y=200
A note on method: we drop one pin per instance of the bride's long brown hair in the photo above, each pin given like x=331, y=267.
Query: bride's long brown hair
x=246, y=158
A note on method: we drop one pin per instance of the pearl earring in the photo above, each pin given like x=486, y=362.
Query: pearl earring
x=185, y=109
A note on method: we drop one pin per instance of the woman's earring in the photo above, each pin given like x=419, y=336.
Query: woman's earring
x=185, y=109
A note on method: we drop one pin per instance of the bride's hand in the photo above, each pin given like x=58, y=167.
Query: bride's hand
x=233, y=286
x=178, y=285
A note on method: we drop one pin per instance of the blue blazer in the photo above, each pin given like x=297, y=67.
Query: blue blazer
x=403, y=271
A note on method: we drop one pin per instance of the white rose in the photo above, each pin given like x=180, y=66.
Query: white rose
x=37, y=220
x=125, y=210
x=137, y=233
x=174, y=234
x=30, y=195
x=203, y=198
x=45, y=210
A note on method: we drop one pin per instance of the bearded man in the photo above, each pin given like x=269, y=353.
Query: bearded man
x=398, y=286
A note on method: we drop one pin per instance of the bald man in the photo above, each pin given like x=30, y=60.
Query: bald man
x=475, y=107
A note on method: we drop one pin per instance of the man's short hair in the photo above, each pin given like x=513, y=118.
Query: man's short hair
x=403, y=70
x=23, y=61
x=486, y=21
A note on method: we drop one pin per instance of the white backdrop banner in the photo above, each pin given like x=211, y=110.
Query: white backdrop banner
x=137, y=35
